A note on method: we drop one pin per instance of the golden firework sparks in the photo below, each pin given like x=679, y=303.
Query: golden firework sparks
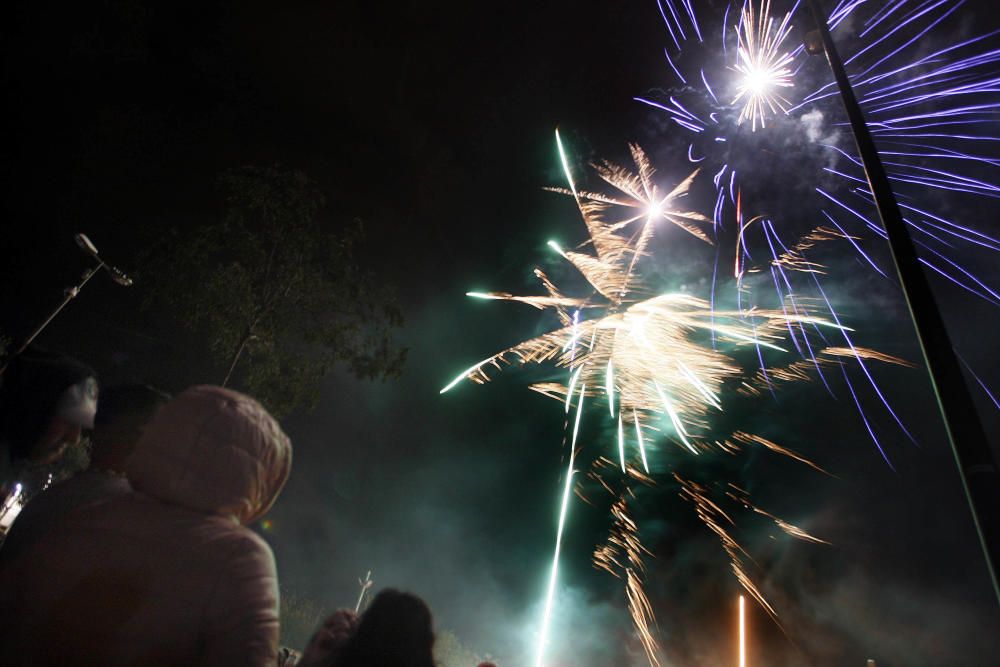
x=661, y=361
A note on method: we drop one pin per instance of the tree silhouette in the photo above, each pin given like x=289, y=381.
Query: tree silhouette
x=278, y=296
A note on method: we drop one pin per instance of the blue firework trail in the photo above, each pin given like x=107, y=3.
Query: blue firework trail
x=931, y=100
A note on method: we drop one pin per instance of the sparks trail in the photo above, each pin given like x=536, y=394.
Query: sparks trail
x=664, y=364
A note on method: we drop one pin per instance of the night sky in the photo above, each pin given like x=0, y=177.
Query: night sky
x=434, y=125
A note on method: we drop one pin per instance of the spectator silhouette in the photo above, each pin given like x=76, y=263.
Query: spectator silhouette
x=45, y=401
x=122, y=413
x=395, y=631
x=167, y=574
x=327, y=644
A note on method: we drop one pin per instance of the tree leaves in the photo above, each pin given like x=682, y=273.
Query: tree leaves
x=279, y=297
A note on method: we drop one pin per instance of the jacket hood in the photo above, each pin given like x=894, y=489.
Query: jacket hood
x=212, y=450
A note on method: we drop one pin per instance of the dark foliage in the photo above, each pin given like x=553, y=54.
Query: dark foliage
x=278, y=296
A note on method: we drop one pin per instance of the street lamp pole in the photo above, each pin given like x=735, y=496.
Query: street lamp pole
x=976, y=466
x=71, y=293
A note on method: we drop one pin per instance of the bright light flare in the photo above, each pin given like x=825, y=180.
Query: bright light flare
x=675, y=419
x=543, y=635
x=565, y=163
x=621, y=443
x=464, y=374
x=609, y=385
x=743, y=633
x=11, y=507
x=654, y=210
x=763, y=67
x=642, y=445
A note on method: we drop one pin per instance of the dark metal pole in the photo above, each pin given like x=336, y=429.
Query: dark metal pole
x=71, y=293
x=969, y=444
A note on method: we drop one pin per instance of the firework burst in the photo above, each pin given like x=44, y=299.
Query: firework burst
x=663, y=364
x=763, y=67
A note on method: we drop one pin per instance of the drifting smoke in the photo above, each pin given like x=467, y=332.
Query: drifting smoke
x=813, y=124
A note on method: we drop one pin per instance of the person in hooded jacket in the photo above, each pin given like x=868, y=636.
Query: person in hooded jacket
x=168, y=574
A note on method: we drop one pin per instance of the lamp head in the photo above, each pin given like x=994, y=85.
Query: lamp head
x=86, y=245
